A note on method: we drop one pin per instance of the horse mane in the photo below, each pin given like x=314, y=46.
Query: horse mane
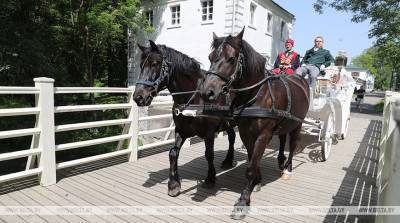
x=253, y=61
x=180, y=62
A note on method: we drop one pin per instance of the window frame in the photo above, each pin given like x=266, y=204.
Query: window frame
x=269, y=23
x=177, y=19
x=150, y=19
x=208, y=12
x=282, y=33
x=252, y=15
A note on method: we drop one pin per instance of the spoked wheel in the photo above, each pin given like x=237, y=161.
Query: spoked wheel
x=327, y=133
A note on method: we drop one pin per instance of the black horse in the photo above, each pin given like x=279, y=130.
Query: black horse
x=262, y=105
x=163, y=67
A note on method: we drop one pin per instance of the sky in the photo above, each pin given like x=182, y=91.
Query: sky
x=339, y=32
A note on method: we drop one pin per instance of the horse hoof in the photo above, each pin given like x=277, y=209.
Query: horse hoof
x=174, y=192
x=208, y=183
x=228, y=165
x=174, y=189
x=239, y=212
x=286, y=175
x=257, y=188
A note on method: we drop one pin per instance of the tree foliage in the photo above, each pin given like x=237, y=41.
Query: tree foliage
x=76, y=42
x=379, y=67
x=384, y=16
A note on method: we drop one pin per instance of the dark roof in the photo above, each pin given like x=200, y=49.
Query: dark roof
x=282, y=8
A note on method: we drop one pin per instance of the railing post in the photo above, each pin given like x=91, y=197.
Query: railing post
x=47, y=134
x=133, y=127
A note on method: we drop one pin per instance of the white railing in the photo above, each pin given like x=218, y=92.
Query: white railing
x=388, y=176
x=43, y=147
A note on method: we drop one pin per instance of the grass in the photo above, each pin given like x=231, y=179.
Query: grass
x=379, y=106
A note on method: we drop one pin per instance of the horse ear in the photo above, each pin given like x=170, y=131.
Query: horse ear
x=240, y=35
x=154, y=46
x=142, y=48
x=215, y=36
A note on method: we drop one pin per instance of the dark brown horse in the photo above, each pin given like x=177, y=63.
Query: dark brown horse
x=163, y=67
x=235, y=70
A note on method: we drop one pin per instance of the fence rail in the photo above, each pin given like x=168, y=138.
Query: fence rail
x=388, y=177
x=43, y=147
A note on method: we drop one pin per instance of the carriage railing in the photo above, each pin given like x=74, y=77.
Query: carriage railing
x=43, y=147
x=388, y=176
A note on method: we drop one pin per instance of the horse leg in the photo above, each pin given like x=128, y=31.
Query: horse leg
x=174, y=184
x=209, y=141
x=253, y=175
x=228, y=162
x=293, y=142
x=281, y=155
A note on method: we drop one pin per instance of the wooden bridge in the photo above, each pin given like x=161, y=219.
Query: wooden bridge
x=138, y=175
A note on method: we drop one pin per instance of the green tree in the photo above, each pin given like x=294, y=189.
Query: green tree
x=384, y=16
x=78, y=43
x=371, y=59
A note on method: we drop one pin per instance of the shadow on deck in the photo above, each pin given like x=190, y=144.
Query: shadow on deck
x=347, y=178
x=361, y=175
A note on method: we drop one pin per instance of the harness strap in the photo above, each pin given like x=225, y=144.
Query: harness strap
x=271, y=94
x=288, y=94
x=184, y=92
x=147, y=83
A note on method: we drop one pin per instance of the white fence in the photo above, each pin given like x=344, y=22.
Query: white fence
x=388, y=177
x=43, y=133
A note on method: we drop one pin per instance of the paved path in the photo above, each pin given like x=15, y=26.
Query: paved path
x=347, y=178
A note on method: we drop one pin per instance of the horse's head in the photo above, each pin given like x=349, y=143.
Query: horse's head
x=226, y=66
x=153, y=76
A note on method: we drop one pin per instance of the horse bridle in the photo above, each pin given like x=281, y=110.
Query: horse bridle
x=164, y=75
x=236, y=74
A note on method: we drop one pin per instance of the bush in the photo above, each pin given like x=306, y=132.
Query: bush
x=379, y=106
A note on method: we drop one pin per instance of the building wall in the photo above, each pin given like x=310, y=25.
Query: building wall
x=193, y=37
x=364, y=78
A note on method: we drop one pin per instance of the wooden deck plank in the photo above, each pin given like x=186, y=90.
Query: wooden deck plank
x=347, y=178
x=13, y=200
x=203, y=192
x=112, y=194
x=41, y=200
x=161, y=193
x=280, y=183
x=95, y=198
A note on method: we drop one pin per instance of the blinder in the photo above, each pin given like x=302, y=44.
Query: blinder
x=164, y=75
x=237, y=73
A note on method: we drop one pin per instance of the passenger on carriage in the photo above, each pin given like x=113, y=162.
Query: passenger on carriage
x=315, y=60
x=288, y=61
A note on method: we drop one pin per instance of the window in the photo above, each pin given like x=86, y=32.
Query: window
x=252, y=13
x=149, y=17
x=207, y=10
x=269, y=23
x=283, y=24
x=175, y=15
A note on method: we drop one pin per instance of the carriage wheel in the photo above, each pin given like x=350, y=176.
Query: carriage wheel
x=346, y=128
x=327, y=133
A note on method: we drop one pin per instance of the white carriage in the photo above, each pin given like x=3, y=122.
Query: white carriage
x=330, y=108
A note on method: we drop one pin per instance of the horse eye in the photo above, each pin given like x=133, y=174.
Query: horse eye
x=154, y=64
x=231, y=60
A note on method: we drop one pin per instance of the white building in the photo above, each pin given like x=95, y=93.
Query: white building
x=362, y=77
x=187, y=25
